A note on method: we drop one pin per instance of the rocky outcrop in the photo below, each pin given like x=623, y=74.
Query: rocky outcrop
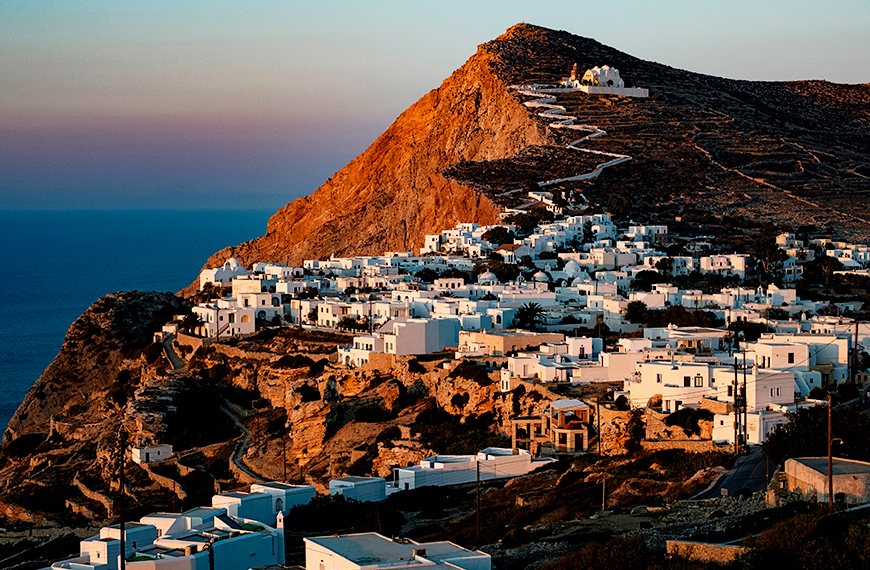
x=99, y=363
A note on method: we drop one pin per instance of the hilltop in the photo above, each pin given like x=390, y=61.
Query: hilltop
x=786, y=152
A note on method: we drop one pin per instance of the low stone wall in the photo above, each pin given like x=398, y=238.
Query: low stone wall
x=716, y=406
x=698, y=445
x=234, y=352
x=107, y=503
x=192, y=341
x=166, y=482
x=656, y=429
x=380, y=361
x=704, y=551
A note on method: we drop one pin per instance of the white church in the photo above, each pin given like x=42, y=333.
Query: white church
x=604, y=80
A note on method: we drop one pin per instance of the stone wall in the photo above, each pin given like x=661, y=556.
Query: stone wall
x=104, y=500
x=234, y=352
x=165, y=482
x=704, y=551
x=380, y=361
x=697, y=445
x=657, y=430
x=192, y=341
x=716, y=406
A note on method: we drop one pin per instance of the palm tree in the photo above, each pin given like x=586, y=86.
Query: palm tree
x=529, y=316
x=190, y=322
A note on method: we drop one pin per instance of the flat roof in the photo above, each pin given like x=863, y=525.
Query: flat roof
x=841, y=466
x=162, y=516
x=203, y=512
x=355, y=479
x=508, y=332
x=129, y=525
x=372, y=549
x=451, y=458
x=282, y=486
x=568, y=404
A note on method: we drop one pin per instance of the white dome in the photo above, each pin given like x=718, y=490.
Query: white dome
x=232, y=263
x=577, y=282
x=540, y=276
x=487, y=277
x=572, y=268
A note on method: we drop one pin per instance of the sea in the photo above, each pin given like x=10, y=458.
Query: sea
x=56, y=263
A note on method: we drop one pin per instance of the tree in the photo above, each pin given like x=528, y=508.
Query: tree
x=644, y=280
x=427, y=275
x=588, y=232
x=190, y=322
x=635, y=312
x=499, y=235
x=665, y=265
x=767, y=252
x=635, y=430
x=620, y=206
x=806, y=434
x=528, y=316
x=308, y=293
x=822, y=267
x=312, y=315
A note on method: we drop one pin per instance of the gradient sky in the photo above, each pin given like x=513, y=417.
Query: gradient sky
x=113, y=104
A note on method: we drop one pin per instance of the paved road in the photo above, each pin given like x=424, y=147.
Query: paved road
x=242, y=445
x=177, y=363
x=750, y=472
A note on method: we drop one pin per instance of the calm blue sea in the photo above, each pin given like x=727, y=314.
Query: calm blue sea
x=55, y=264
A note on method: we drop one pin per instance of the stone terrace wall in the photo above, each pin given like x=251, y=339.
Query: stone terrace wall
x=698, y=445
x=704, y=551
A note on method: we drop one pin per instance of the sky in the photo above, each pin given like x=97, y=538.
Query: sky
x=116, y=104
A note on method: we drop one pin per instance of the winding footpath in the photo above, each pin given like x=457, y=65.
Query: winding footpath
x=557, y=113
x=241, y=447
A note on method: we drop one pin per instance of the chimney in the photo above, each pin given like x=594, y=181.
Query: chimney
x=421, y=552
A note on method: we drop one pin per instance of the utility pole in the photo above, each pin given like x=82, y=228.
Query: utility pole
x=284, y=452
x=830, y=458
x=855, y=353
x=478, y=503
x=121, y=497
x=598, y=417
x=736, y=413
x=745, y=402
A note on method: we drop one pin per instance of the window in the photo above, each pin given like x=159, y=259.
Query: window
x=791, y=358
x=658, y=378
x=730, y=391
x=699, y=381
x=777, y=391
x=687, y=381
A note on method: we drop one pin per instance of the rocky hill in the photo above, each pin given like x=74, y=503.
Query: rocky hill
x=788, y=152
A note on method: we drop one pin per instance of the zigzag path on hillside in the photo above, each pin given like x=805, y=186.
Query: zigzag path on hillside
x=545, y=99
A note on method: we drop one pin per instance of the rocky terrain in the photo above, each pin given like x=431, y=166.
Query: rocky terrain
x=787, y=152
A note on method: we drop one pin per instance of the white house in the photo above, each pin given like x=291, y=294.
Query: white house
x=224, y=274
x=440, y=470
x=360, y=488
x=257, y=506
x=151, y=453
x=284, y=496
x=369, y=551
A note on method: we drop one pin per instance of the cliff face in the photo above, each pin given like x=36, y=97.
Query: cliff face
x=393, y=194
x=95, y=369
